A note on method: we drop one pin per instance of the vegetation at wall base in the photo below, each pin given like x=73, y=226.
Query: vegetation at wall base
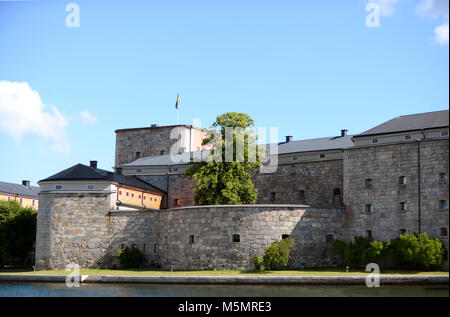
x=130, y=258
x=410, y=251
x=17, y=233
x=277, y=254
x=258, y=262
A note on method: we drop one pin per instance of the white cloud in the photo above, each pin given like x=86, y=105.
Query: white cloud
x=87, y=118
x=436, y=9
x=22, y=112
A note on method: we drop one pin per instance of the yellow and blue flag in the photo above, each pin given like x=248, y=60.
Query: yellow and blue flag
x=177, y=104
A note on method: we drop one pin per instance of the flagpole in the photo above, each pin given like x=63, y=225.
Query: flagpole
x=178, y=110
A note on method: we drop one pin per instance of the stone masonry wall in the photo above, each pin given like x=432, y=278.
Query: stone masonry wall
x=384, y=165
x=83, y=230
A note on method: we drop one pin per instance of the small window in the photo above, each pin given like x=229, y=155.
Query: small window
x=166, y=240
x=444, y=133
x=402, y=206
x=140, y=196
x=191, y=239
x=368, y=208
x=151, y=199
x=33, y=203
x=236, y=238
x=402, y=180
x=336, y=191
x=122, y=246
x=301, y=195
x=284, y=236
x=175, y=169
x=369, y=234
x=58, y=187
x=156, y=199
x=402, y=231
x=138, y=155
x=407, y=137
x=162, y=152
x=128, y=194
x=21, y=200
x=294, y=158
x=375, y=141
x=443, y=204
x=443, y=177
x=368, y=183
x=91, y=187
x=9, y=198
x=443, y=232
x=176, y=202
x=145, y=197
x=329, y=238
x=273, y=196
x=322, y=155
x=132, y=195
x=120, y=193
x=138, y=170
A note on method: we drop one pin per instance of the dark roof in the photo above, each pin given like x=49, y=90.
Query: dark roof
x=428, y=120
x=19, y=189
x=83, y=172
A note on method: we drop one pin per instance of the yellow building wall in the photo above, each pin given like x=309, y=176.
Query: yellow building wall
x=137, y=197
x=25, y=202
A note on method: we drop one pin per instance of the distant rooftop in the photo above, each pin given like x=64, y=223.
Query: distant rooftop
x=19, y=189
x=155, y=126
x=83, y=172
x=428, y=120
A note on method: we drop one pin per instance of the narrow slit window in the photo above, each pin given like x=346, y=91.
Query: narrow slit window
x=191, y=239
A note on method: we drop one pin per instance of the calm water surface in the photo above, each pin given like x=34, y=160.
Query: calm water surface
x=154, y=290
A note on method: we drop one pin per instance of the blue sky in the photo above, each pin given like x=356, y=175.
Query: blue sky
x=309, y=68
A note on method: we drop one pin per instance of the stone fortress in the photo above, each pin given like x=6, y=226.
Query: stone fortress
x=386, y=181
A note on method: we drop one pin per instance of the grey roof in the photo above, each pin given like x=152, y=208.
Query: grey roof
x=311, y=145
x=84, y=172
x=428, y=120
x=19, y=189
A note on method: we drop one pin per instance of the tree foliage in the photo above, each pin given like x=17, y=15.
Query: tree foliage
x=130, y=258
x=17, y=233
x=219, y=181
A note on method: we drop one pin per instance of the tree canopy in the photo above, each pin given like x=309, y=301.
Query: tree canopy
x=223, y=178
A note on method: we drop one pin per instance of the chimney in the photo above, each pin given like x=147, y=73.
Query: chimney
x=344, y=132
x=26, y=183
x=288, y=138
x=93, y=164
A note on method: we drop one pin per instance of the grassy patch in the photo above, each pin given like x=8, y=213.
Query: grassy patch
x=156, y=272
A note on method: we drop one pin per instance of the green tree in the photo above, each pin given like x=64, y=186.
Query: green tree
x=225, y=180
x=17, y=232
x=130, y=258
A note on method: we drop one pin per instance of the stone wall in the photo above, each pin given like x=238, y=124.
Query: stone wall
x=319, y=180
x=384, y=165
x=83, y=230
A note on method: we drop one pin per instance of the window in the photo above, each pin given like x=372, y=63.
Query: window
x=369, y=233
x=444, y=133
x=151, y=199
x=138, y=170
x=58, y=187
x=294, y=158
x=120, y=193
x=140, y=196
x=128, y=194
x=368, y=183
x=329, y=238
x=236, y=238
x=21, y=200
x=284, y=236
x=443, y=204
x=145, y=197
x=301, y=195
x=9, y=198
x=443, y=232
x=138, y=155
x=91, y=187
x=33, y=203
x=156, y=199
x=273, y=196
x=336, y=191
x=368, y=208
x=132, y=195
x=322, y=155
x=402, y=206
x=375, y=141
x=175, y=169
x=176, y=202
x=191, y=239
x=442, y=177
x=407, y=137
x=402, y=180
x=162, y=152
x=402, y=231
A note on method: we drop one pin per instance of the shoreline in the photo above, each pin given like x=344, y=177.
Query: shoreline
x=231, y=280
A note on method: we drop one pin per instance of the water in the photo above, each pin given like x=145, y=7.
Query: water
x=156, y=290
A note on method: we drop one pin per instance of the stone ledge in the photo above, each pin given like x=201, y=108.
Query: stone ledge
x=234, y=280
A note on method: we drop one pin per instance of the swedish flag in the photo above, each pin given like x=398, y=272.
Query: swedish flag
x=177, y=104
